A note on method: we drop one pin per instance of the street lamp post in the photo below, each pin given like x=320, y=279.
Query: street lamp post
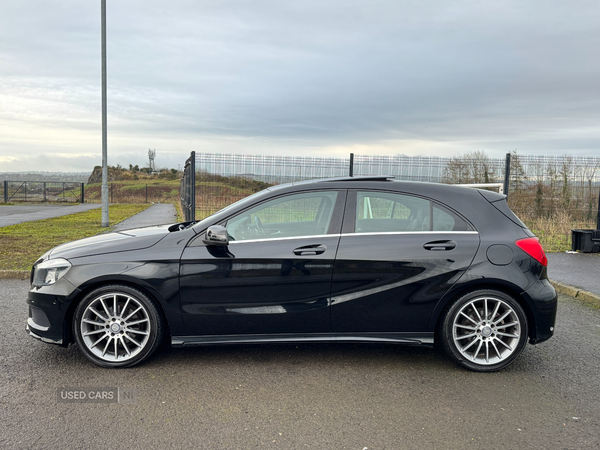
x=104, y=146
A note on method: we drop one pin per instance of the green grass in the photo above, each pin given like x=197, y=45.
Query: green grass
x=21, y=245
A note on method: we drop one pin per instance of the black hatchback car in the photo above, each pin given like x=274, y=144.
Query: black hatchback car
x=339, y=260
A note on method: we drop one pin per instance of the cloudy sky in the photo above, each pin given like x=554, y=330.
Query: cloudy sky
x=315, y=78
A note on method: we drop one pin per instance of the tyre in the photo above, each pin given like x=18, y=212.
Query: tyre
x=484, y=331
x=117, y=326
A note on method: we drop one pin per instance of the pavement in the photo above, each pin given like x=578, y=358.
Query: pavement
x=157, y=214
x=576, y=274
x=14, y=215
x=302, y=396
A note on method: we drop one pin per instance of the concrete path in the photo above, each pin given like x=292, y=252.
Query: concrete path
x=158, y=214
x=13, y=215
x=581, y=270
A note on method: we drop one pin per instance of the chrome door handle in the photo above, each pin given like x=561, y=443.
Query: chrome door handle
x=305, y=250
x=440, y=246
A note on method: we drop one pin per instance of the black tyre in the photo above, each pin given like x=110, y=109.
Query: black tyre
x=484, y=331
x=117, y=326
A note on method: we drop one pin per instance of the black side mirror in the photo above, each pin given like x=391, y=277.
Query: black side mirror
x=216, y=235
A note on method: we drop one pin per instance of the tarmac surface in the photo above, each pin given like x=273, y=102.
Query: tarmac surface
x=13, y=215
x=581, y=270
x=317, y=396
x=157, y=214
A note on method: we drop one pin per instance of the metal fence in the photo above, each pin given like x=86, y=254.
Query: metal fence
x=552, y=194
x=43, y=191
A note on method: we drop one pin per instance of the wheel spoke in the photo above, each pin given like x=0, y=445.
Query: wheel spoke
x=131, y=315
x=477, y=351
x=106, y=346
x=496, y=348
x=98, y=341
x=496, y=308
x=88, y=333
x=145, y=333
x=466, y=336
x=464, y=349
x=506, y=325
x=132, y=340
x=507, y=335
x=463, y=314
x=137, y=322
x=91, y=322
x=116, y=343
x=125, y=307
x=465, y=327
x=506, y=314
x=504, y=343
x=476, y=311
x=115, y=306
x=487, y=352
x=485, y=308
x=104, y=306
x=97, y=313
x=124, y=345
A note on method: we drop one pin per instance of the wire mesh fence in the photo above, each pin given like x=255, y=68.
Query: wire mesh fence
x=552, y=194
x=42, y=191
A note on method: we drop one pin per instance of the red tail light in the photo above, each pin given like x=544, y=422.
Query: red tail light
x=533, y=248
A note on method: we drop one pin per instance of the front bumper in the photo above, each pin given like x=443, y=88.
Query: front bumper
x=49, y=312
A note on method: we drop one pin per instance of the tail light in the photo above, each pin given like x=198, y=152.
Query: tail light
x=533, y=248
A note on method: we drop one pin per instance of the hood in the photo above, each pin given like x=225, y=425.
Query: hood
x=121, y=241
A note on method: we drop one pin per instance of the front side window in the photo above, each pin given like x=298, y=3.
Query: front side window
x=381, y=212
x=306, y=214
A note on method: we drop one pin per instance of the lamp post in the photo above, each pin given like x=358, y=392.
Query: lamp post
x=104, y=149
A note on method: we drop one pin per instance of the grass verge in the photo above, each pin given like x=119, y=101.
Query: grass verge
x=21, y=245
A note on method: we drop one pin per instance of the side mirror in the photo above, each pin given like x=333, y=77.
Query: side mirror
x=216, y=235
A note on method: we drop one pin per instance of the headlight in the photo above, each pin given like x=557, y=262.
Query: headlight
x=50, y=271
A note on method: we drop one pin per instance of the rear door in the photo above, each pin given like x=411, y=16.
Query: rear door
x=398, y=255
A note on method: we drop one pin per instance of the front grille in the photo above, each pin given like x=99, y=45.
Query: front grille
x=39, y=316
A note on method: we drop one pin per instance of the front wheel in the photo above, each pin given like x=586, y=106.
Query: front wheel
x=117, y=326
x=484, y=331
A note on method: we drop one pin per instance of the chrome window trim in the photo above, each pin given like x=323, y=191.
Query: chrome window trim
x=320, y=236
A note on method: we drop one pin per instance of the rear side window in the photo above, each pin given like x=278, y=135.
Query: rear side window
x=381, y=212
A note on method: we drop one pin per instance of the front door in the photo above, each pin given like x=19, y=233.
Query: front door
x=273, y=277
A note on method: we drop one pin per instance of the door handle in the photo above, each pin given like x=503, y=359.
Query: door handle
x=315, y=249
x=438, y=246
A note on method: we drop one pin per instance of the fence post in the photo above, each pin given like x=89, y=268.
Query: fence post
x=44, y=190
x=597, y=218
x=507, y=175
x=193, y=185
x=5, y=191
x=146, y=192
x=111, y=193
x=82, y=193
x=351, y=164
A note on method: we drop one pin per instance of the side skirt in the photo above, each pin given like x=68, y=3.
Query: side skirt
x=373, y=338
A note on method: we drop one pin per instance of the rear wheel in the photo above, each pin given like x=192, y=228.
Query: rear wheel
x=117, y=326
x=484, y=330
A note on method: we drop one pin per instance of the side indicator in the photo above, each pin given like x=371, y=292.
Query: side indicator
x=533, y=248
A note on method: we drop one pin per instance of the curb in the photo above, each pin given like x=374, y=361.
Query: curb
x=14, y=274
x=585, y=296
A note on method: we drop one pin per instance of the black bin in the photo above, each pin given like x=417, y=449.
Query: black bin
x=586, y=241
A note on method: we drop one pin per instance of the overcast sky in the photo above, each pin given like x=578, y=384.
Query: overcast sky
x=315, y=78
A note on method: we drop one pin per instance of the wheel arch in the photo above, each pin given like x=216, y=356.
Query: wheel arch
x=146, y=289
x=496, y=285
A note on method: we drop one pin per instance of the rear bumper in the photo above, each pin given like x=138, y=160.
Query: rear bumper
x=544, y=299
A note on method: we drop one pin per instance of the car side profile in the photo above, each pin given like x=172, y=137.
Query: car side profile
x=361, y=259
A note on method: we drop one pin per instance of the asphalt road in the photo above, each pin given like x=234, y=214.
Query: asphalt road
x=306, y=396
x=13, y=215
x=581, y=270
